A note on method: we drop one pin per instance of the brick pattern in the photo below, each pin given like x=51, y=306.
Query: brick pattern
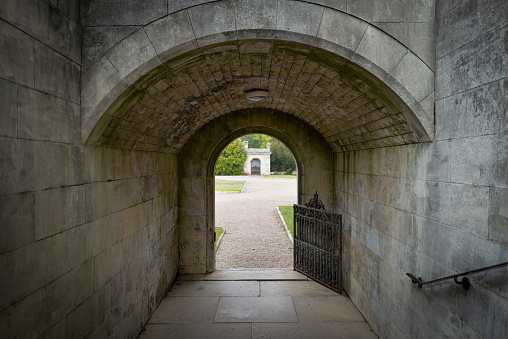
x=345, y=108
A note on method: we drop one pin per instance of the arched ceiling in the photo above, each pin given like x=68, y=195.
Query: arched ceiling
x=348, y=106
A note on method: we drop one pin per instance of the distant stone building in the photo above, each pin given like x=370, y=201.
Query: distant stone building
x=258, y=160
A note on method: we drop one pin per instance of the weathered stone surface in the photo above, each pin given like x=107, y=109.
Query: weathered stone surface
x=341, y=29
x=45, y=117
x=17, y=161
x=256, y=15
x=131, y=12
x=98, y=40
x=17, y=55
x=169, y=33
x=49, y=204
x=378, y=47
x=492, y=13
x=392, y=11
x=44, y=21
x=61, y=299
x=415, y=76
x=433, y=162
x=461, y=206
x=418, y=36
x=473, y=160
x=477, y=112
x=216, y=18
x=8, y=102
x=53, y=173
x=298, y=17
x=134, y=56
x=480, y=62
x=464, y=28
x=498, y=215
x=55, y=74
x=17, y=220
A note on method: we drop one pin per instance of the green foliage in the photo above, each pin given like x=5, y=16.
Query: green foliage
x=228, y=186
x=257, y=140
x=282, y=159
x=218, y=232
x=231, y=159
x=287, y=214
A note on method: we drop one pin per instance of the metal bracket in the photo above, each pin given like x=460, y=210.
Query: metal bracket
x=464, y=282
x=415, y=280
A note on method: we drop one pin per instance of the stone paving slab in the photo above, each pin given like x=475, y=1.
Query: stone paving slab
x=214, y=288
x=253, y=274
x=174, y=310
x=330, y=309
x=256, y=309
x=314, y=331
x=295, y=288
x=209, y=331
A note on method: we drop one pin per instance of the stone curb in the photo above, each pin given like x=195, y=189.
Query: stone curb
x=220, y=239
x=285, y=226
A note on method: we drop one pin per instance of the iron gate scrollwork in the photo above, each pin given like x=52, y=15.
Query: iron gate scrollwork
x=318, y=243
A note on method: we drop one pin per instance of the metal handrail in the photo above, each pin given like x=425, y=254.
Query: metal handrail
x=464, y=282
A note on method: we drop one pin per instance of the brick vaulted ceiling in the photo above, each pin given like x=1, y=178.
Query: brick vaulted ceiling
x=348, y=106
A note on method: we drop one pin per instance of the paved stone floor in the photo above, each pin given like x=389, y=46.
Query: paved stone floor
x=255, y=236
x=254, y=304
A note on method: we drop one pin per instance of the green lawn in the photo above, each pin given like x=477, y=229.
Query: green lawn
x=283, y=176
x=218, y=232
x=287, y=214
x=228, y=186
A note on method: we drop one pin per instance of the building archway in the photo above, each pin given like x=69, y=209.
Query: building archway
x=255, y=167
x=167, y=97
x=314, y=159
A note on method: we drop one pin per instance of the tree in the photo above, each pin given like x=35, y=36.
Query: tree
x=257, y=140
x=281, y=159
x=231, y=159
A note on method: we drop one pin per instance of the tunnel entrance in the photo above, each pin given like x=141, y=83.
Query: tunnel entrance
x=190, y=102
x=247, y=206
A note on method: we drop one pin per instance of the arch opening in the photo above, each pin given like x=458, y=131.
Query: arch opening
x=337, y=102
x=255, y=167
x=253, y=235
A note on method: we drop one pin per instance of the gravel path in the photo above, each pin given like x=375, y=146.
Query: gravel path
x=255, y=236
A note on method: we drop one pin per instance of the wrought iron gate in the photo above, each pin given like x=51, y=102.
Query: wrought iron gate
x=318, y=243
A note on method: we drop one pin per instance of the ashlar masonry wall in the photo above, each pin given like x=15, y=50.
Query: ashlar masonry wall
x=438, y=208
x=88, y=235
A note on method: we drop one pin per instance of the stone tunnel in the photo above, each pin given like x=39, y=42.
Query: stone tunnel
x=114, y=113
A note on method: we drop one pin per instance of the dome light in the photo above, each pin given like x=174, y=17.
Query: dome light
x=256, y=95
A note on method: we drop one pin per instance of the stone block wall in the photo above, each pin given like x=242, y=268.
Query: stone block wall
x=438, y=208
x=88, y=236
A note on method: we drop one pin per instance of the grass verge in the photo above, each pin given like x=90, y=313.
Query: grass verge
x=228, y=186
x=218, y=232
x=283, y=176
x=287, y=214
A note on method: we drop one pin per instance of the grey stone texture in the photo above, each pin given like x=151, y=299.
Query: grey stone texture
x=215, y=79
x=73, y=235
x=436, y=209
x=106, y=163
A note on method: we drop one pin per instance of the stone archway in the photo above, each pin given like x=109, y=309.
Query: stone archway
x=166, y=85
x=313, y=156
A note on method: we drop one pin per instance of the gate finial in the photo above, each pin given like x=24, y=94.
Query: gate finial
x=315, y=203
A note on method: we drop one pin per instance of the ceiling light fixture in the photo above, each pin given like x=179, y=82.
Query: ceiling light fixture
x=256, y=95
